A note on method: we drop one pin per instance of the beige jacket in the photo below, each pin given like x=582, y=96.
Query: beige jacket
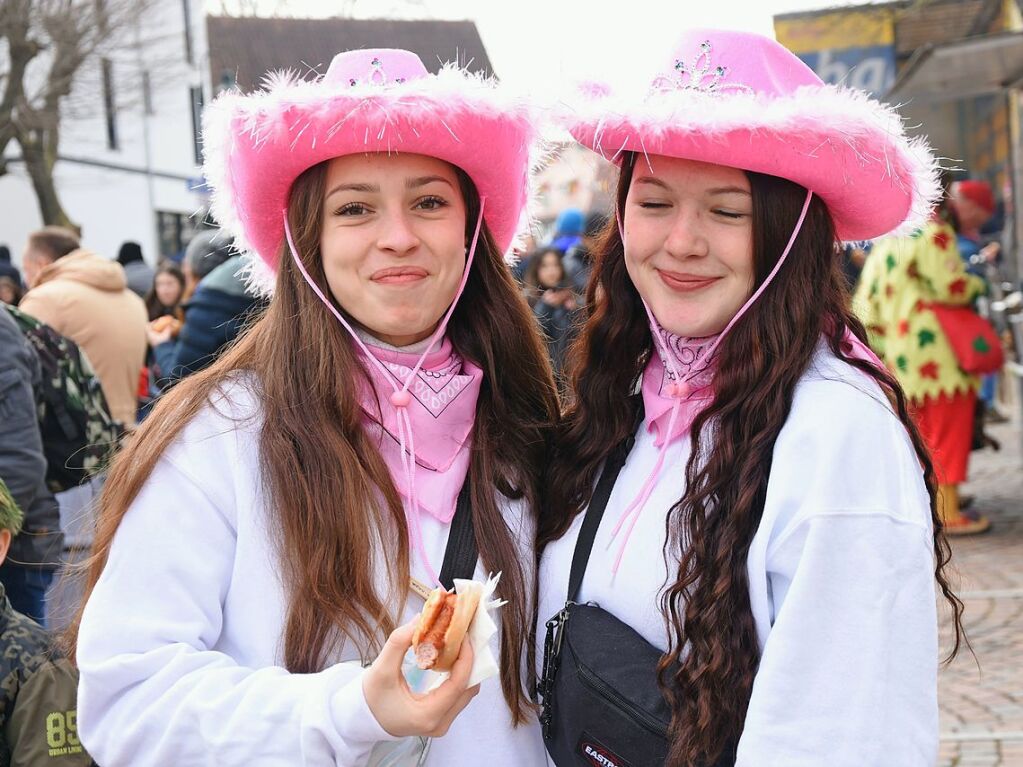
x=85, y=297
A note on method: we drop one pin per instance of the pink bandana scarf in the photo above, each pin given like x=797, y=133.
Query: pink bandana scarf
x=442, y=411
x=679, y=364
x=695, y=362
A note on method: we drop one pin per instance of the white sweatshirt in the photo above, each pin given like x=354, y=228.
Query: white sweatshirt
x=841, y=581
x=180, y=648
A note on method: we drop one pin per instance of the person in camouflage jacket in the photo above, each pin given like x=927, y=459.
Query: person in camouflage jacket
x=902, y=278
x=36, y=552
x=38, y=686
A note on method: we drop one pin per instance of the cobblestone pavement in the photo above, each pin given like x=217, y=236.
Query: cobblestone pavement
x=982, y=707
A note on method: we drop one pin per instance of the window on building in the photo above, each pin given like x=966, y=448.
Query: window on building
x=174, y=232
x=109, y=104
x=187, y=12
x=196, y=97
x=168, y=230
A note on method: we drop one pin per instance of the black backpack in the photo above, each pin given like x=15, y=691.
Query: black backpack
x=79, y=434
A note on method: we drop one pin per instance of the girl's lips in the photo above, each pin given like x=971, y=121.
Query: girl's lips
x=398, y=275
x=685, y=283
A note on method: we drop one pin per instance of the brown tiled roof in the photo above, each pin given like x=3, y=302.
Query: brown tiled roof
x=247, y=48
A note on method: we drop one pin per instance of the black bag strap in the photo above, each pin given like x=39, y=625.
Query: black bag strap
x=598, y=503
x=460, y=554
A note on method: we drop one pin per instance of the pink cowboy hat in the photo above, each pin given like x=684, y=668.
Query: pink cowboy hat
x=368, y=101
x=744, y=100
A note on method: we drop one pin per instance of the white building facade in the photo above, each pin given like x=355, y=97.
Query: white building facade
x=129, y=164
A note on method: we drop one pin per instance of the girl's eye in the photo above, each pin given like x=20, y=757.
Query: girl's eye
x=431, y=203
x=730, y=214
x=654, y=205
x=351, y=209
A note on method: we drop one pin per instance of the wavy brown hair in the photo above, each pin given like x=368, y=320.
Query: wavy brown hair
x=707, y=674
x=323, y=471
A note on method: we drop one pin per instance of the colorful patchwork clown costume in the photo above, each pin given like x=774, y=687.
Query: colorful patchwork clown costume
x=901, y=280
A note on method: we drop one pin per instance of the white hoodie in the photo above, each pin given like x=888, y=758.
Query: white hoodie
x=841, y=580
x=181, y=641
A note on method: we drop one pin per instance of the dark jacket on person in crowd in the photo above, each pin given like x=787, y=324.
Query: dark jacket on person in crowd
x=215, y=315
x=578, y=260
x=138, y=273
x=7, y=269
x=22, y=465
x=558, y=324
x=38, y=692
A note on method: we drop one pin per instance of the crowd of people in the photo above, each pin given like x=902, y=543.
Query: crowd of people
x=222, y=476
x=554, y=279
x=88, y=344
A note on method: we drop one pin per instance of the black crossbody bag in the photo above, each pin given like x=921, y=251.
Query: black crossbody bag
x=601, y=704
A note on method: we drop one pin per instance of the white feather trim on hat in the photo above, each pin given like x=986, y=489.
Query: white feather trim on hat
x=450, y=93
x=873, y=131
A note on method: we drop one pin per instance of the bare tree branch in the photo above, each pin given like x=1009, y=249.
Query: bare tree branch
x=21, y=49
x=50, y=44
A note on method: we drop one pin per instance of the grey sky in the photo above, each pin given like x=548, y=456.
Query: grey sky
x=538, y=44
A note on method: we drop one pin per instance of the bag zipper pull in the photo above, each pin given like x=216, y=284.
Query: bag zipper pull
x=551, y=653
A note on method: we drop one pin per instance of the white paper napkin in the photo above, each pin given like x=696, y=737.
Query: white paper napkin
x=482, y=628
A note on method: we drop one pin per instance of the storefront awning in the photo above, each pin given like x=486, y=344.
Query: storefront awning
x=974, y=66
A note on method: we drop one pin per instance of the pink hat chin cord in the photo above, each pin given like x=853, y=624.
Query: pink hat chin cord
x=400, y=398
x=681, y=390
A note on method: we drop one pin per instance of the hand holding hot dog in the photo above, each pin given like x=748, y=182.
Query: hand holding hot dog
x=402, y=712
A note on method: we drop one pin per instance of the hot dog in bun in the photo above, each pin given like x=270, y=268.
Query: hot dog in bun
x=442, y=625
x=164, y=323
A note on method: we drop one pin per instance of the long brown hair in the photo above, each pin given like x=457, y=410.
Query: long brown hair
x=707, y=673
x=323, y=471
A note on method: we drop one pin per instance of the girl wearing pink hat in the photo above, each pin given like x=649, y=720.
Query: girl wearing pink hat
x=377, y=432
x=739, y=543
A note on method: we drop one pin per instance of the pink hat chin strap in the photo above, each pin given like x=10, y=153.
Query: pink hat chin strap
x=400, y=397
x=680, y=391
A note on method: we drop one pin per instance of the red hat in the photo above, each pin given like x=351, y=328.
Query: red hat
x=977, y=192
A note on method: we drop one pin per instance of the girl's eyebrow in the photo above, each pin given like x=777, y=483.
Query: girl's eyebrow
x=729, y=190
x=415, y=183
x=410, y=183
x=652, y=180
x=365, y=188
